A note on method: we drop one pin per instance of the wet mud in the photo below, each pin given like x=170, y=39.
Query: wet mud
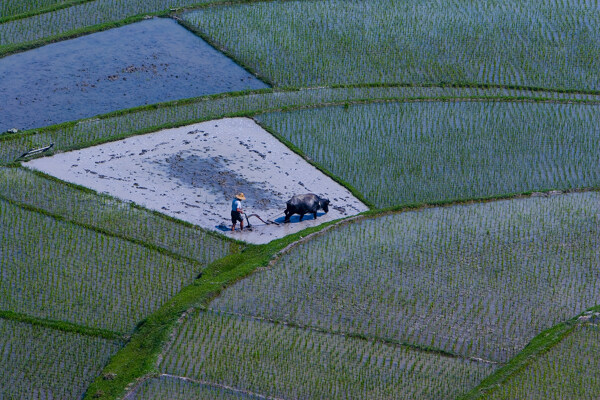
x=193, y=172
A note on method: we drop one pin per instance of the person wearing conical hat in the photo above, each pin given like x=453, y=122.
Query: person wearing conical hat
x=236, y=211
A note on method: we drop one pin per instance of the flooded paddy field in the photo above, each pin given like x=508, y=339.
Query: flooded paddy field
x=44, y=363
x=193, y=172
x=148, y=62
x=477, y=280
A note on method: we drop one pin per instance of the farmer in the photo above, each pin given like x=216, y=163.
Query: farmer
x=236, y=211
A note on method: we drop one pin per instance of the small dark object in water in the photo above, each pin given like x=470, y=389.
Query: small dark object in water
x=305, y=204
x=36, y=151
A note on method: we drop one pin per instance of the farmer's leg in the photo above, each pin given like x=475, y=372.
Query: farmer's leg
x=234, y=220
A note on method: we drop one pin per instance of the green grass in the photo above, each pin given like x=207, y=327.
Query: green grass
x=57, y=270
x=474, y=280
x=44, y=363
x=526, y=42
x=287, y=362
x=403, y=153
x=113, y=217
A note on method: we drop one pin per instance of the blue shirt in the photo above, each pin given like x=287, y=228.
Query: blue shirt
x=235, y=204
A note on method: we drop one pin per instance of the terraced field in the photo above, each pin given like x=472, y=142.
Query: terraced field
x=569, y=370
x=525, y=42
x=168, y=387
x=62, y=271
x=469, y=131
x=472, y=280
x=474, y=149
x=287, y=362
x=46, y=363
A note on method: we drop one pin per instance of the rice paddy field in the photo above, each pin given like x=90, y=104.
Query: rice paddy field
x=110, y=216
x=287, y=362
x=148, y=62
x=168, y=387
x=61, y=271
x=569, y=370
x=478, y=280
x=42, y=363
x=474, y=149
x=467, y=130
x=526, y=42
x=10, y=8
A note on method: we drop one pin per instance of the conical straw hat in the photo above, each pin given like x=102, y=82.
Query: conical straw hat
x=240, y=196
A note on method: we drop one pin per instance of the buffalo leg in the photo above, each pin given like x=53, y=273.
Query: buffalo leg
x=301, y=216
x=287, y=216
x=315, y=214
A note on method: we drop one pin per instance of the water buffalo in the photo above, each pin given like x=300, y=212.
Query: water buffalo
x=305, y=204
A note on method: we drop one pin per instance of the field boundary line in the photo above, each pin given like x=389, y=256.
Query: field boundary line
x=357, y=336
x=63, y=326
x=251, y=113
x=18, y=47
x=212, y=43
x=380, y=212
x=138, y=357
x=177, y=9
x=87, y=190
x=277, y=90
x=58, y=217
x=43, y=10
x=10, y=49
x=538, y=346
x=284, y=108
x=200, y=382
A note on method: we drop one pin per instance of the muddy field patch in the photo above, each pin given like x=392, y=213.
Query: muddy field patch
x=192, y=173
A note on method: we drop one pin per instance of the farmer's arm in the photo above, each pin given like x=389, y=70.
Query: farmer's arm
x=239, y=208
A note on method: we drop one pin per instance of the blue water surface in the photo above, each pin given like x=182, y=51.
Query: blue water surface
x=143, y=63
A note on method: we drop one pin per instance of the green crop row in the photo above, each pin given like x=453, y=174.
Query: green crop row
x=43, y=363
x=402, y=153
x=475, y=280
x=569, y=370
x=61, y=271
x=112, y=216
x=172, y=388
x=139, y=357
x=526, y=42
x=147, y=119
x=11, y=8
x=80, y=17
x=290, y=363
